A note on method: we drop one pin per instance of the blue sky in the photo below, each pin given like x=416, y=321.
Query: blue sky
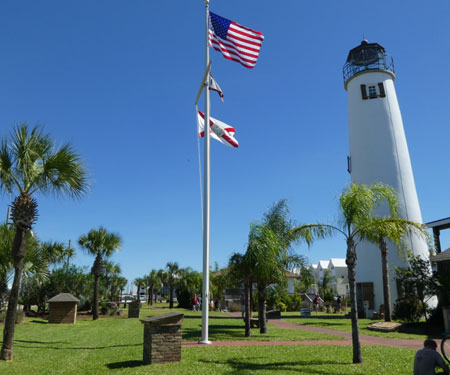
x=118, y=80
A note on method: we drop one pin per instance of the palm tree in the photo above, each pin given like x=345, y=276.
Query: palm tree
x=101, y=244
x=138, y=282
x=240, y=268
x=152, y=280
x=172, y=274
x=121, y=282
x=31, y=164
x=69, y=253
x=269, y=253
x=111, y=272
x=357, y=204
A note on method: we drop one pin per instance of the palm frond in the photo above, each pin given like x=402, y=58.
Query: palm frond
x=312, y=232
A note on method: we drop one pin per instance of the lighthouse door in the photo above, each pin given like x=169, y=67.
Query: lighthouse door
x=364, y=292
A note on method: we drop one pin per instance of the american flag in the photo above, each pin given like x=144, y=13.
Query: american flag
x=235, y=42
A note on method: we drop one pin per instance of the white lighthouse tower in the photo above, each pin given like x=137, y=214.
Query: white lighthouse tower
x=378, y=153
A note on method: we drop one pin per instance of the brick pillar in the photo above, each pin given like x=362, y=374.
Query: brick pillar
x=134, y=309
x=162, y=338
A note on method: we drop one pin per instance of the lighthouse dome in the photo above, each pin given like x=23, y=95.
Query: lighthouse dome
x=367, y=56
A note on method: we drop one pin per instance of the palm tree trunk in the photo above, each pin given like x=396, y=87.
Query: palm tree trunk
x=171, y=296
x=251, y=298
x=139, y=293
x=351, y=263
x=95, y=303
x=386, y=282
x=18, y=252
x=150, y=297
x=248, y=331
x=262, y=308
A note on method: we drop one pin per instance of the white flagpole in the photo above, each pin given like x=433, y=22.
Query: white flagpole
x=206, y=200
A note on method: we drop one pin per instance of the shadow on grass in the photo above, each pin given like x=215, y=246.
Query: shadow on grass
x=124, y=364
x=325, y=317
x=324, y=324
x=212, y=317
x=215, y=332
x=246, y=366
x=41, y=342
x=39, y=321
x=43, y=345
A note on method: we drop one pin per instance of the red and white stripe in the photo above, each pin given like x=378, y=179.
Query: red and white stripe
x=242, y=44
x=219, y=130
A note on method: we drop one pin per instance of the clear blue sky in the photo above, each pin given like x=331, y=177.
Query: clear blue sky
x=118, y=79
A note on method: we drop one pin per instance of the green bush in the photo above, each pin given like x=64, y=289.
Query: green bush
x=19, y=317
x=408, y=310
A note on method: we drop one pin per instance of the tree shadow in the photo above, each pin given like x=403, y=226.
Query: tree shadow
x=212, y=317
x=235, y=331
x=326, y=317
x=41, y=342
x=124, y=364
x=245, y=366
x=43, y=346
x=39, y=321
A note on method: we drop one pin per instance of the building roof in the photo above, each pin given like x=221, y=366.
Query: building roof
x=444, y=255
x=441, y=224
x=338, y=262
x=64, y=297
x=314, y=266
x=324, y=263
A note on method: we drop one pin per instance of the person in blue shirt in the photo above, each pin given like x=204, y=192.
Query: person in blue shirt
x=427, y=359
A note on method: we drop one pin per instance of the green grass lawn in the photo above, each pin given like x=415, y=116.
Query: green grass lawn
x=339, y=323
x=223, y=327
x=114, y=346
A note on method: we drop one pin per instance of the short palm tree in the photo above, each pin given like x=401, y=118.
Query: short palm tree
x=31, y=164
x=172, y=270
x=101, y=244
x=120, y=283
x=139, y=282
x=240, y=269
x=269, y=254
x=357, y=204
x=111, y=272
x=152, y=280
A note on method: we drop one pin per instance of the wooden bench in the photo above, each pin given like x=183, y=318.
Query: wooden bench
x=305, y=312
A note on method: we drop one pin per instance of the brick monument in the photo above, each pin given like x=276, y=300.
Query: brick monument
x=162, y=338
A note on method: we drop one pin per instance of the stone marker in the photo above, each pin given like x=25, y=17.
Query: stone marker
x=384, y=326
x=162, y=338
x=133, y=309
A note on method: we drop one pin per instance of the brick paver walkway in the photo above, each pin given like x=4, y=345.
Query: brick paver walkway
x=347, y=341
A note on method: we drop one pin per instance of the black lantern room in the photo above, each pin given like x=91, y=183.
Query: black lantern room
x=367, y=56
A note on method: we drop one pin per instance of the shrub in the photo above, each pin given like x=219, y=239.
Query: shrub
x=109, y=308
x=281, y=306
x=408, y=310
x=19, y=317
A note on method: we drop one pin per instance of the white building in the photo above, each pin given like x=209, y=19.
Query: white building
x=339, y=275
x=321, y=267
x=378, y=153
x=338, y=272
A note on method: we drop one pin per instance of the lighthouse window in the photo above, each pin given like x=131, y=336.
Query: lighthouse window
x=372, y=92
